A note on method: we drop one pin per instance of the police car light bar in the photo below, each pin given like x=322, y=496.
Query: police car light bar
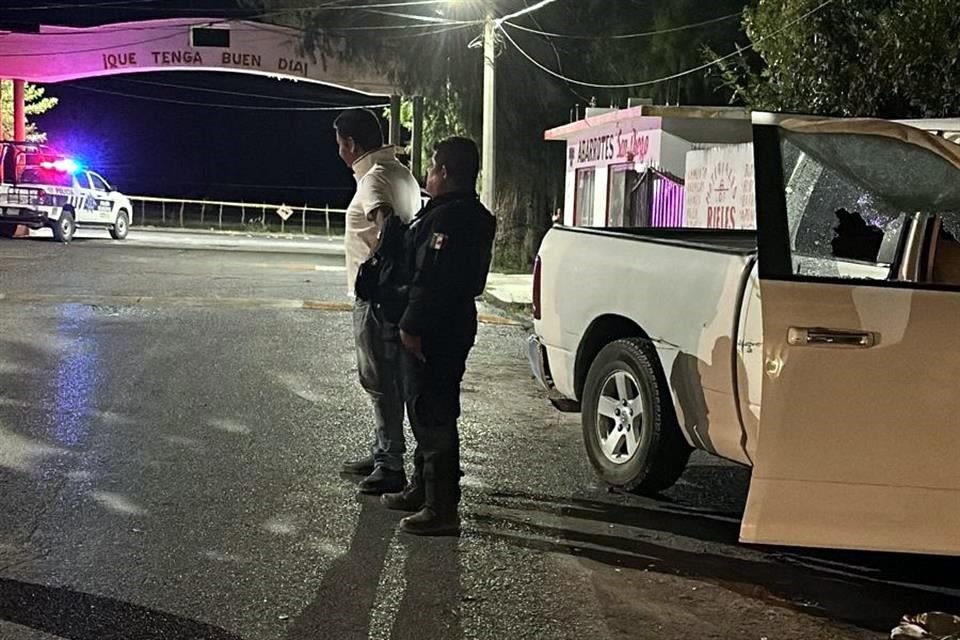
x=67, y=165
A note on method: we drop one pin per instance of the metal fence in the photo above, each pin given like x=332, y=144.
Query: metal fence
x=235, y=216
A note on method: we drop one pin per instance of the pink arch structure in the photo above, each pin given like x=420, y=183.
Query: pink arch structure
x=55, y=54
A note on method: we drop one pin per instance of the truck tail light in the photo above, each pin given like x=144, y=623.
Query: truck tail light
x=537, y=267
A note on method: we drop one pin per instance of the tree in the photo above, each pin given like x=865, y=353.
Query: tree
x=885, y=58
x=434, y=60
x=36, y=103
x=440, y=120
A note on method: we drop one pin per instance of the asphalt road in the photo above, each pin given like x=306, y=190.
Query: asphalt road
x=171, y=423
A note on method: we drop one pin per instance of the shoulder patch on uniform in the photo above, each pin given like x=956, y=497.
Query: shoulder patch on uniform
x=438, y=241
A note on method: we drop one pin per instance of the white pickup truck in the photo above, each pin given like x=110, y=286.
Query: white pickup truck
x=822, y=350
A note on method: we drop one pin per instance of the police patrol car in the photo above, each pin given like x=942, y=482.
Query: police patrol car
x=61, y=195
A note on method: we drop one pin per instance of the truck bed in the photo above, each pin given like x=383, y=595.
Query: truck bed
x=732, y=241
x=681, y=288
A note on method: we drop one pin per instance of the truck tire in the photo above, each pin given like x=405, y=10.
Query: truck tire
x=121, y=227
x=64, y=228
x=630, y=429
x=8, y=230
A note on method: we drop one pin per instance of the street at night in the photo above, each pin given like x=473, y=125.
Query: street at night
x=172, y=425
x=707, y=255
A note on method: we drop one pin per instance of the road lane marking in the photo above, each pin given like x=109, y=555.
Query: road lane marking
x=277, y=303
x=326, y=305
x=267, y=303
x=390, y=590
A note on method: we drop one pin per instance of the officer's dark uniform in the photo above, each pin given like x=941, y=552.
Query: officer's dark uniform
x=447, y=251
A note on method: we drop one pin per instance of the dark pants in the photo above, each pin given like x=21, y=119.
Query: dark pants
x=432, y=395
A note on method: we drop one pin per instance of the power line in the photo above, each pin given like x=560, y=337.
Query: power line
x=432, y=31
x=37, y=54
x=115, y=4
x=441, y=22
x=421, y=18
x=525, y=11
x=626, y=36
x=224, y=106
x=393, y=27
x=236, y=24
x=385, y=5
x=556, y=55
x=233, y=21
x=674, y=76
x=220, y=91
x=83, y=5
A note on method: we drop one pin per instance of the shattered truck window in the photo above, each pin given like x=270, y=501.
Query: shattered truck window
x=951, y=226
x=945, y=266
x=838, y=229
x=848, y=198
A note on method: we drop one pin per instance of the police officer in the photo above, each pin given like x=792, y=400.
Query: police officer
x=447, y=251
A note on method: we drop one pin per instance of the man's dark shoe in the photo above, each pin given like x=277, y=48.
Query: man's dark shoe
x=361, y=467
x=382, y=481
x=428, y=522
x=410, y=499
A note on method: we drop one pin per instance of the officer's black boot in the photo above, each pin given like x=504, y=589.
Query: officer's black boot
x=428, y=522
x=439, y=515
x=410, y=499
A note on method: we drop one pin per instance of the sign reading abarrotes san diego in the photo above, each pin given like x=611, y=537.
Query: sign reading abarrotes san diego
x=183, y=44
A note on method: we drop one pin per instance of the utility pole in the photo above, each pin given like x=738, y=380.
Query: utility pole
x=488, y=167
x=393, y=137
x=488, y=156
x=19, y=111
x=416, y=140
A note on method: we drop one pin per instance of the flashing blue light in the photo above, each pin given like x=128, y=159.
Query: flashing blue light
x=66, y=165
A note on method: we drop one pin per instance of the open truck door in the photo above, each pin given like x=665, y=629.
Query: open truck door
x=859, y=437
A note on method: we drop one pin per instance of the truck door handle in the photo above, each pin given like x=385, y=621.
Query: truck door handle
x=820, y=337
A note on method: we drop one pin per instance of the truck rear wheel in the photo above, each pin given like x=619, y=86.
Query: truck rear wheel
x=630, y=430
x=8, y=230
x=64, y=227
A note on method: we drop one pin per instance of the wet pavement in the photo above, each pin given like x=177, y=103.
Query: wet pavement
x=171, y=423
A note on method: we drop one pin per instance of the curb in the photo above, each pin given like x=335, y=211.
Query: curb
x=271, y=235
x=517, y=313
x=483, y=318
x=336, y=306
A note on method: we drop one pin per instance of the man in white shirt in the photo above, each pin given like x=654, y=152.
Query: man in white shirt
x=385, y=187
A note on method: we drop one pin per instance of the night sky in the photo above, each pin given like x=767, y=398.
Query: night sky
x=154, y=148
x=148, y=147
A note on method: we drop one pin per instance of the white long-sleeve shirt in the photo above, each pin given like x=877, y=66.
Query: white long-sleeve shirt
x=382, y=180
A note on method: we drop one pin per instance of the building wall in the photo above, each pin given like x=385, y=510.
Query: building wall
x=720, y=188
x=673, y=154
x=672, y=174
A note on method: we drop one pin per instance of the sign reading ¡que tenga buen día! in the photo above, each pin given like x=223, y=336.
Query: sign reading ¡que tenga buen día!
x=57, y=54
x=184, y=57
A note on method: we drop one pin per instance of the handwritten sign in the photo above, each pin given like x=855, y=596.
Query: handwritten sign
x=614, y=144
x=720, y=188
